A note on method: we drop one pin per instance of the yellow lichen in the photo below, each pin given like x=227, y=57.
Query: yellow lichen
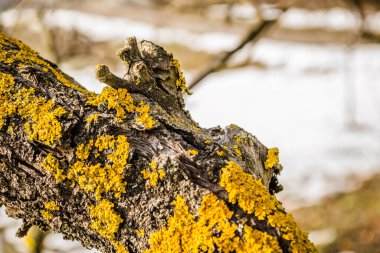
x=96, y=177
x=140, y=233
x=51, y=164
x=83, y=151
x=209, y=231
x=10, y=130
x=93, y=118
x=143, y=117
x=153, y=174
x=153, y=163
x=52, y=206
x=272, y=158
x=192, y=152
x=237, y=150
x=220, y=153
x=180, y=82
x=22, y=55
x=254, y=198
x=258, y=241
x=122, y=102
x=116, y=99
x=46, y=214
x=119, y=247
x=104, y=142
x=41, y=114
x=208, y=140
x=104, y=219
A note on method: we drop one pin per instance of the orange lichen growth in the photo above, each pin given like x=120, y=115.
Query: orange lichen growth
x=52, y=206
x=272, y=158
x=51, y=164
x=144, y=117
x=104, y=219
x=192, y=152
x=24, y=55
x=209, y=231
x=41, y=114
x=254, y=198
x=180, y=82
x=93, y=118
x=153, y=174
x=117, y=99
x=96, y=177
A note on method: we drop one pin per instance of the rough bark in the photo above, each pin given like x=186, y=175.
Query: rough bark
x=128, y=170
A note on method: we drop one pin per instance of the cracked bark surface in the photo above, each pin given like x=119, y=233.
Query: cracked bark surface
x=133, y=148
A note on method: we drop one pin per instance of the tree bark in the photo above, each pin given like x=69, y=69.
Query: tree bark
x=128, y=170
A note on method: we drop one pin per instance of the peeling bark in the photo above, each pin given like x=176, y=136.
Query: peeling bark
x=110, y=170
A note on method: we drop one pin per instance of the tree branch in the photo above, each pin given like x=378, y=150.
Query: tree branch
x=128, y=170
x=252, y=36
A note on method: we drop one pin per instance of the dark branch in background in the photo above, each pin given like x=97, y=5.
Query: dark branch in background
x=252, y=36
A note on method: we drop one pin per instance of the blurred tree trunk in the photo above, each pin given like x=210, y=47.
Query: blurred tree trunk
x=128, y=170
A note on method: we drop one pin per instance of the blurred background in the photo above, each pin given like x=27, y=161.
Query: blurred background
x=301, y=75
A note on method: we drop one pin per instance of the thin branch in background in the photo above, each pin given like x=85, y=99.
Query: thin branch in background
x=252, y=36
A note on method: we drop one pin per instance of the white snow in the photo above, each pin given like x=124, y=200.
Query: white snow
x=101, y=28
x=334, y=19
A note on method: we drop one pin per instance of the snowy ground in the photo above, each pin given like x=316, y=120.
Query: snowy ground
x=296, y=103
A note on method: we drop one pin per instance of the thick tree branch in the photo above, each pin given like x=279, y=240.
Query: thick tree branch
x=128, y=170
